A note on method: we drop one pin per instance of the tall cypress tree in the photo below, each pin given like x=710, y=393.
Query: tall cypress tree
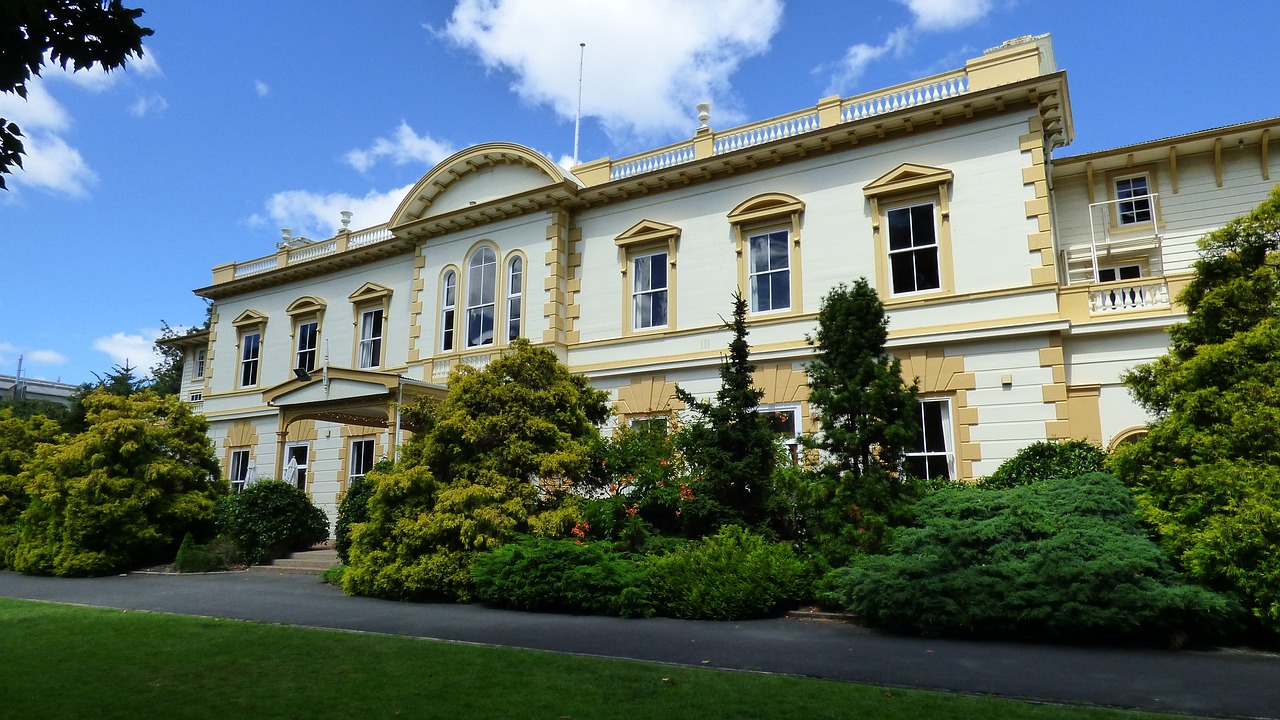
x=731, y=444
x=867, y=413
x=868, y=418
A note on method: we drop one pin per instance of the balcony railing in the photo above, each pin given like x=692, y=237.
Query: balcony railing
x=287, y=257
x=1128, y=295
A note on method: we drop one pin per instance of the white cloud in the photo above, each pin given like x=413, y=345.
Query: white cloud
x=39, y=111
x=673, y=53
x=147, y=104
x=404, y=146
x=857, y=58
x=261, y=88
x=316, y=215
x=47, y=357
x=51, y=164
x=926, y=16
x=946, y=14
x=9, y=354
x=135, y=350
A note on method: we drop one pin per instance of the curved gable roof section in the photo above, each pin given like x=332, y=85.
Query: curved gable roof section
x=418, y=203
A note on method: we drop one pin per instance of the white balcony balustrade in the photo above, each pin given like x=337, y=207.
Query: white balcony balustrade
x=1128, y=296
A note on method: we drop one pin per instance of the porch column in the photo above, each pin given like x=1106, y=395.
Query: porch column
x=281, y=435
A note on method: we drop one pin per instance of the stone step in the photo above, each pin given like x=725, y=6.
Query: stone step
x=307, y=562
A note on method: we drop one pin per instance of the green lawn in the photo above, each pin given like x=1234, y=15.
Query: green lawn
x=60, y=661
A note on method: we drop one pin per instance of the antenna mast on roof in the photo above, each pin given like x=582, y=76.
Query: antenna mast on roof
x=577, y=123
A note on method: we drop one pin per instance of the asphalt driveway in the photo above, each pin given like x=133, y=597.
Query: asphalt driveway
x=1210, y=683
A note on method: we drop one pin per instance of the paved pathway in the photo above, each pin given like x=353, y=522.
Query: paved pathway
x=1220, y=683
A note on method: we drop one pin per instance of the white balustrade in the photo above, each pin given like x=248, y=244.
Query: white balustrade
x=655, y=161
x=479, y=362
x=766, y=133
x=257, y=267
x=313, y=251
x=1124, y=298
x=368, y=237
x=440, y=369
x=897, y=98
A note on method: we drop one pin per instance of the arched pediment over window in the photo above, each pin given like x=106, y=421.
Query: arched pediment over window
x=769, y=206
x=305, y=305
x=508, y=169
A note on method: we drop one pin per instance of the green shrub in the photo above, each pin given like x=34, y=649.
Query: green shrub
x=119, y=495
x=353, y=509
x=1062, y=559
x=1046, y=460
x=417, y=545
x=218, y=554
x=1221, y=522
x=561, y=576
x=270, y=518
x=732, y=575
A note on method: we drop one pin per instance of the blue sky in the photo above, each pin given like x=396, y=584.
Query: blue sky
x=246, y=117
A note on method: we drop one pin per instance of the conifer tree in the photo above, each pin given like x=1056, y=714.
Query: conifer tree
x=866, y=410
x=1207, y=473
x=730, y=444
x=868, y=417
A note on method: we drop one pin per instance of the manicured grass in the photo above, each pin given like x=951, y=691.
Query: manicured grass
x=61, y=661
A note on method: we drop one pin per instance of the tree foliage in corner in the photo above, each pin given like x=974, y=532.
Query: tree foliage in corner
x=730, y=446
x=868, y=418
x=470, y=479
x=1207, y=474
x=71, y=33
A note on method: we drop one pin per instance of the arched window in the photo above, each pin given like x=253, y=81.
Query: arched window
x=515, y=291
x=482, y=281
x=448, y=309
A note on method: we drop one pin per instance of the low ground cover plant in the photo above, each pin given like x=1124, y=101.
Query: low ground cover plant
x=1061, y=559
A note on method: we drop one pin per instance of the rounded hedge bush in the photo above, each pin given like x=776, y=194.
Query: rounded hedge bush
x=1046, y=460
x=270, y=518
x=732, y=575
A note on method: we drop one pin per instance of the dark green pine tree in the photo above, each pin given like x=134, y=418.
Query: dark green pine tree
x=731, y=445
x=868, y=418
x=867, y=413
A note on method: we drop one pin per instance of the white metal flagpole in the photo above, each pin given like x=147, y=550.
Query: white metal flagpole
x=577, y=123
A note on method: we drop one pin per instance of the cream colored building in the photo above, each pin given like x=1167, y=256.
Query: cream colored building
x=1019, y=286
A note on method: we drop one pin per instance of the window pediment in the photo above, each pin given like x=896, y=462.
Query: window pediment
x=249, y=318
x=305, y=305
x=647, y=231
x=370, y=292
x=766, y=207
x=907, y=178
